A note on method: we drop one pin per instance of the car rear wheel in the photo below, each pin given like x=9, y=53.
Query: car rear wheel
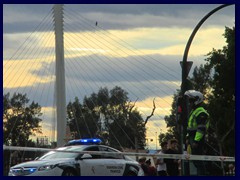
x=69, y=172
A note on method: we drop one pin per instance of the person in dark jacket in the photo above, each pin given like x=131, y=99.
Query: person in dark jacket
x=172, y=164
x=142, y=162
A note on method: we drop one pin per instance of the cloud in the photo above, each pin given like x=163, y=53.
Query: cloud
x=139, y=72
x=121, y=16
x=136, y=47
x=25, y=17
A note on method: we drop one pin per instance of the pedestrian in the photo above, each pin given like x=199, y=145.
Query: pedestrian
x=172, y=164
x=161, y=165
x=142, y=162
x=198, y=123
x=152, y=171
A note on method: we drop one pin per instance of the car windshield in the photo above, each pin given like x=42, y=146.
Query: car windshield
x=56, y=154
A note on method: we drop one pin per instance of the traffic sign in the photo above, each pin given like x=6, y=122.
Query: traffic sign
x=189, y=65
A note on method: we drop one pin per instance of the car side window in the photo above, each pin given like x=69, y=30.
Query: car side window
x=110, y=156
x=94, y=148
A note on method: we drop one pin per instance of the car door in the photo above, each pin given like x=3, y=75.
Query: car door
x=93, y=166
x=114, y=164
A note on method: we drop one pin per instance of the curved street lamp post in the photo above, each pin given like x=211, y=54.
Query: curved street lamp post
x=185, y=70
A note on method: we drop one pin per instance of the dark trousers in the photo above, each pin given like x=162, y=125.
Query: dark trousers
x=200, y=165
x=162, y=173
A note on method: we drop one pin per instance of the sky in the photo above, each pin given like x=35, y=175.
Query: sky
x=135, y=46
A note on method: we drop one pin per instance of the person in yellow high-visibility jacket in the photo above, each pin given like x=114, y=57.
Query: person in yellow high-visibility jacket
x=198, y=123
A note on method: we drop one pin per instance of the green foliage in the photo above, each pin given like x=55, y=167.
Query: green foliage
x=221, y=103
x=20, y=120
x=108, y=115
x=81, y=116
x=216, y=80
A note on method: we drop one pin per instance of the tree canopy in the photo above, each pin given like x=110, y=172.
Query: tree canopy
x=108, y=115
x=216, y=80
x=20, y=120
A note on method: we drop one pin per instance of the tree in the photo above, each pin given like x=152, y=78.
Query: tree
x=20, y=119
x=81, y=119
x=172, y=125
x=109, y=115
x=221, y=100
x=216, y=80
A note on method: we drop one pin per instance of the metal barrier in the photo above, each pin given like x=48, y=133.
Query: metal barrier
x=10, y=160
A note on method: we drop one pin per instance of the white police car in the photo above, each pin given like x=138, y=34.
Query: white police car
x=72, y=161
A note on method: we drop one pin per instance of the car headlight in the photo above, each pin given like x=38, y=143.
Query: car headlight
x=46, y=167
x=22, y=171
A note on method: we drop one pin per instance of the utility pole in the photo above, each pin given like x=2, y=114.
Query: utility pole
x=185, y=73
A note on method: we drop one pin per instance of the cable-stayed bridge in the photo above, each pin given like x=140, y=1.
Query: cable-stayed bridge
x=94, y=58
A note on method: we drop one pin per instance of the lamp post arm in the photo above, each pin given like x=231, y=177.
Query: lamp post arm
x=184, y=62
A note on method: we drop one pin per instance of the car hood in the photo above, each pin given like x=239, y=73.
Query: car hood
x=38, y=163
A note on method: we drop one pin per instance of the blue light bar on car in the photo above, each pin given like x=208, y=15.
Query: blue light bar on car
x=84, y=141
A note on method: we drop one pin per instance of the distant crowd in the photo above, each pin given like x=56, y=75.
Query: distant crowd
x=171, y=167
x=164, y=167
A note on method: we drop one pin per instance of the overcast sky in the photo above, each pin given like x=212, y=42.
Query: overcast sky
x=137, y=47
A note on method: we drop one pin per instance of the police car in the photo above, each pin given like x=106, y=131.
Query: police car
x=80, y=158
